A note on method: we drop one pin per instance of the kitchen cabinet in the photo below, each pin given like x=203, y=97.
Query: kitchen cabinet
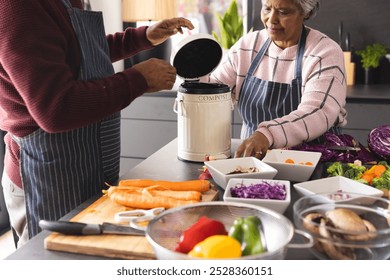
x=148, y=123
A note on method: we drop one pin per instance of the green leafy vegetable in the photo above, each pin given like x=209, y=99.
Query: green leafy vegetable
x=372, y=176
x=230, y=25
x=383, y=182
x=354, y=171
x=336, y=169
x=371, y=55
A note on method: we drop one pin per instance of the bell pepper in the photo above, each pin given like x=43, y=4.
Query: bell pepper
x=217, y=247
x=247, y=232
x=199, y=231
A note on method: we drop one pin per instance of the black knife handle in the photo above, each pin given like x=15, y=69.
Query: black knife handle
x=70, y=228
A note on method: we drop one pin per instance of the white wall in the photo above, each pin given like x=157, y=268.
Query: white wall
x=112, y=16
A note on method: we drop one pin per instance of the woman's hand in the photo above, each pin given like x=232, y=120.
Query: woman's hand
x=161, y=31
x=256, y=146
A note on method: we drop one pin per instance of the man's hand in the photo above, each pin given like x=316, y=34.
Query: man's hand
x=161, y=31
x=158, y=73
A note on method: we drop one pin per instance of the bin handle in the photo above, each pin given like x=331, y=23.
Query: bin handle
x=175, y=106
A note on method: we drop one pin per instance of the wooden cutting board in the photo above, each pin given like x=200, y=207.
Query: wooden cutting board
x=113, y=246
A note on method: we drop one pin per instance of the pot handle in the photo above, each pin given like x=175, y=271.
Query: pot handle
x=308, y=236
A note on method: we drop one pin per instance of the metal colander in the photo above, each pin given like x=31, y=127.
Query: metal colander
x=164, y=231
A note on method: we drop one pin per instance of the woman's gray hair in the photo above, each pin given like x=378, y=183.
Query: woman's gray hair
x=309, y=7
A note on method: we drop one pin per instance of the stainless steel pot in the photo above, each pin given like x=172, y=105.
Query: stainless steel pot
x=164, y=231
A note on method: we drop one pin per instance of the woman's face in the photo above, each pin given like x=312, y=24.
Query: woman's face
x=283, y=21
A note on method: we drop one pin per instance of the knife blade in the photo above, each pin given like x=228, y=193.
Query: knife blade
x=76, y=228
x=343, y=148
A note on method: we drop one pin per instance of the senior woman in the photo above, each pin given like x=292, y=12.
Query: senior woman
x=288, y=80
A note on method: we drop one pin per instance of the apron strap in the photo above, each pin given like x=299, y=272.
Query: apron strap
x=301, y=51
x=67, y=4
x=256, y=62
x=299, y=58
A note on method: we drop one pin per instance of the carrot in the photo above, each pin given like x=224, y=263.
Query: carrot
x=374, y=172
x=191, y=185
x=145, y=201
x=159, y=191
x=378, y=170
x=368, y=177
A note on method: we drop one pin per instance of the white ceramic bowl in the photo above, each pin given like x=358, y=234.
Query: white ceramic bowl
x=279, y=206
x=219, y=169
x=298, y=171
x=335, y=184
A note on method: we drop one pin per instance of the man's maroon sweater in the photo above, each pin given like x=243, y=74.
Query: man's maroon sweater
x=39, y=65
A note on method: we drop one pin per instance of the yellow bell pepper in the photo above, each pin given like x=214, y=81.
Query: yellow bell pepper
x=217, y=247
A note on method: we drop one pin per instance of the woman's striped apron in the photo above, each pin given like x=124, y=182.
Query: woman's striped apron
x=262, y=100
x=61, y=170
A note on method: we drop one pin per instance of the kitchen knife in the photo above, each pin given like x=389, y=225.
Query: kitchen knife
x=343, y=148
x=75, y=228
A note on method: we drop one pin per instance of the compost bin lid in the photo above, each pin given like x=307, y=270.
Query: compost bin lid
x=196, y=56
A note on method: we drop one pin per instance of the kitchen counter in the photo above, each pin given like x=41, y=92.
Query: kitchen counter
x=163, y=165
x=369, y=94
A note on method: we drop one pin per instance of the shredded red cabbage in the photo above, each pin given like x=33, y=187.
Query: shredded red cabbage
x=379, y=141
x=263, y=190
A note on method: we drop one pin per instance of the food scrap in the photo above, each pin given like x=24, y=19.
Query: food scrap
x=289, y=160
x=205, y=175
x=240, y=170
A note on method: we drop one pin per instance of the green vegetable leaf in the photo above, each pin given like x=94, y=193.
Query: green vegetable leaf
x=230, y=26
x=371, y=55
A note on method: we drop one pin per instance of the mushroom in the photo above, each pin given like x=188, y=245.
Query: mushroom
x=311, y=222
x=388, y=207
x=334, y=252
x=348, y=220
x=340, y=219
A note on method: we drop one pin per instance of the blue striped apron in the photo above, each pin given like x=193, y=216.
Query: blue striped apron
x=262, y=100
x=61, y=170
